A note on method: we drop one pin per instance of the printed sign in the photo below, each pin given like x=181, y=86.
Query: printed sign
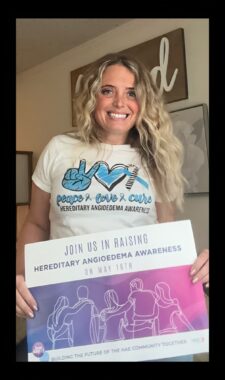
x=122, y=295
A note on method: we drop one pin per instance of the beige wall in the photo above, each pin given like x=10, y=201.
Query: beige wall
x=44, y=93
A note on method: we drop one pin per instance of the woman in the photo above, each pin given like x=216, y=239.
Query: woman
x=121, y=167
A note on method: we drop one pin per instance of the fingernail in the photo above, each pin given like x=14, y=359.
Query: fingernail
x=31, y=314
x=35, y=307
x=192, y=271
x=195, y=280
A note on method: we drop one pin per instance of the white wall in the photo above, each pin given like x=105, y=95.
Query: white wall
x=44, y=92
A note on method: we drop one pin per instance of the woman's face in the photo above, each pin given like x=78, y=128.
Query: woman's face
x=116, y=104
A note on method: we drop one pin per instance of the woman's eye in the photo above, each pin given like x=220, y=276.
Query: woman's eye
x=106, y=91
x=132, y=94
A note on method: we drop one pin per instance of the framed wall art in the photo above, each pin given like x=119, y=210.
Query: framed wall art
x=23, y=177
x=191, y=128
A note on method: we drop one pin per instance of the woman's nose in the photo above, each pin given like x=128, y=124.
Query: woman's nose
x=118, y=100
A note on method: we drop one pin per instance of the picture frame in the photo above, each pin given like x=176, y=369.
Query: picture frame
x=191, y=128
x=23, y=177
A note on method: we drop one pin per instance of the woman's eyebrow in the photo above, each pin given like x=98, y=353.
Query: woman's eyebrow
x=110, y=85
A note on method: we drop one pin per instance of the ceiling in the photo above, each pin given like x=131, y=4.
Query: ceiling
x=38, y=40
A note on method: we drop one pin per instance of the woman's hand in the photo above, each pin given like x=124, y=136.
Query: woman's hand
x=200, y=268
x=25, y=302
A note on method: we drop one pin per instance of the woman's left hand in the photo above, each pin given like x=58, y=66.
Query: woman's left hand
x=200, y=268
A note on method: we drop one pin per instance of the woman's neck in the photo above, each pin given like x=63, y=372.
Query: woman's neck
x=120, y=140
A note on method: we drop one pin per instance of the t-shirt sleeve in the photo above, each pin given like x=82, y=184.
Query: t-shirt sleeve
x=42, y=173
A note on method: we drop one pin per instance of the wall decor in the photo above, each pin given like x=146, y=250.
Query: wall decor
x=191, y=127
x=164, y=56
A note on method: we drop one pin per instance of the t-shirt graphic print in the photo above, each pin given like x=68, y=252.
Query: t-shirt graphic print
x=94, y=188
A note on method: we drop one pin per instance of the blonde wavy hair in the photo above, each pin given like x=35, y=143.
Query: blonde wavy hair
x=161, y=152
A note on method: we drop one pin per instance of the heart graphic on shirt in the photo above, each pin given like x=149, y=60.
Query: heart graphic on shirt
x=109, y=178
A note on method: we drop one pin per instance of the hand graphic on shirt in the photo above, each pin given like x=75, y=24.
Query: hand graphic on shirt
x=77, y=179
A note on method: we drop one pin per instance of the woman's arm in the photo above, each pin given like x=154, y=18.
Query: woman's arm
x=165, y=212
x=36, y=228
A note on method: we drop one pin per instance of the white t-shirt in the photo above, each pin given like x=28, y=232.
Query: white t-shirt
x=93, y=188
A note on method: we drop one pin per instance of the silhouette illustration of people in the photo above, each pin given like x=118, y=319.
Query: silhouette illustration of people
x=144, y=313
x=58, y=336
x=140, y=320
x=171, y=318
x=113, y=316
x=81, y=321
x=134, y=318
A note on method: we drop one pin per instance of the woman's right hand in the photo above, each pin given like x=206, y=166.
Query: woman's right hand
x=25, y=302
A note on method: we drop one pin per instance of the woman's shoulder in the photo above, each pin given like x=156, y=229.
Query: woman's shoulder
x=65, y=138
